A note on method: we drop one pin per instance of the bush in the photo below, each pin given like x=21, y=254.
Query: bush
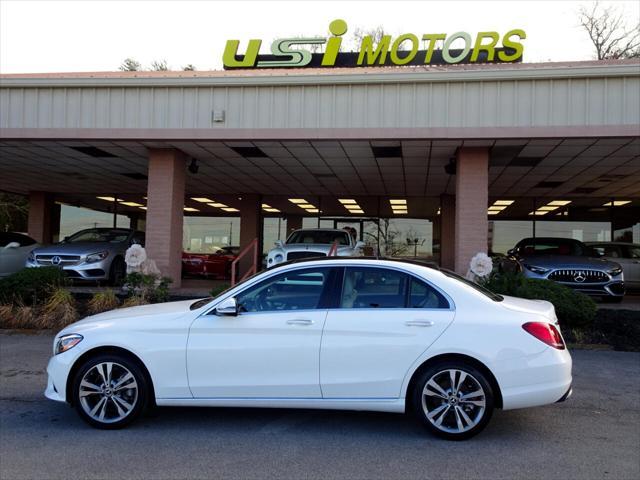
x=218, y=289
x=59, y=310
x=148, y=288
x=618, y=328
x=574, y=309
x=30, y=286
x=102, y=302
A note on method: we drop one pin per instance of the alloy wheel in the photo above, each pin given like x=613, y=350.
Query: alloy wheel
x=108, y=392
x=453, y=401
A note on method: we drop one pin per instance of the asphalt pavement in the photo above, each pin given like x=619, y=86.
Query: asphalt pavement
x=595, y=434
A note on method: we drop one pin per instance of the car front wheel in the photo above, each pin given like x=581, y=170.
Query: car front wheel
x=453, y=400
x=110, y=391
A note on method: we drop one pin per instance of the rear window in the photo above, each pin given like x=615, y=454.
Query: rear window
x=485, y=291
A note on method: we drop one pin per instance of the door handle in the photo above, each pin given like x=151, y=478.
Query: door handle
x=419, y=323
x=300, y=322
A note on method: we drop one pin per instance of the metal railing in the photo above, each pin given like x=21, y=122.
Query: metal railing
x=333, y=251
x=251, y=248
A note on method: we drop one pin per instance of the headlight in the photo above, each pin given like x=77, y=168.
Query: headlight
x=534, y=269
x=67, y=342
x=96, y=257
x=615, y=271
x=278, y=258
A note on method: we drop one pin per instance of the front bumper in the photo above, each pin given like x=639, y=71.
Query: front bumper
x=58, y=370
x=84, y=271
x=613, y=286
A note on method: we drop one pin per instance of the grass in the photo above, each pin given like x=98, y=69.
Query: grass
x=59, y=310
x=103, y=302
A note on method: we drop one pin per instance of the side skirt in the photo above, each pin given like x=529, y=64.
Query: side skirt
x=392, y=405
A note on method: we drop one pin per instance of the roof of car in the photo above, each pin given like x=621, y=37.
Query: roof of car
x=627, y=244
x=421, y=263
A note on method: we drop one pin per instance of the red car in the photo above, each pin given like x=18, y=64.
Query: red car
x=217, y=265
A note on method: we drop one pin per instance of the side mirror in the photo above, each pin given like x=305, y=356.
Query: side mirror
x=12, y=245
x=228, y=307
x=279, y=243
x=360, y=244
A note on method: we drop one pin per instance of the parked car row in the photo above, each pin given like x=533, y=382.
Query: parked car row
x=602, y=269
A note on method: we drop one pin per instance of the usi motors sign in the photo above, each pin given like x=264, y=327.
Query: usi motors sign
x=459, y=47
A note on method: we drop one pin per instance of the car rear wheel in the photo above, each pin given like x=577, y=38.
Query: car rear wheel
x=110, y=391
x=453, y=400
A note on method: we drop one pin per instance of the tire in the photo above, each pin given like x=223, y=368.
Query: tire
x=117, y=272
x=442, y=412
x=110, y=407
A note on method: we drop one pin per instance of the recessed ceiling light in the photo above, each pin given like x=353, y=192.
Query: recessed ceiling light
x=271, y=210
x=217, y=205
x=297, y=200
x=559, y=203
x=400, y=212
x=202, y=199
x=398, y=202
x=132, y=204
x=230, y=209
x=190, y=209
x=538, y=212
x=496, y=208
x=506, y=203
x=142, y=208
x=347, y=201
x=548, y=208
x=312, y=210
x=110, y=199
x=356, y=211
x=493, y=212
x=615, y=203
x=306, y=205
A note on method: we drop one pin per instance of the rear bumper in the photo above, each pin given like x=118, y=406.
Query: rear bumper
x=535, y=380
x=566, y=395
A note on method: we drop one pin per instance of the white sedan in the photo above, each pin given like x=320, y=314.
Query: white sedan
x=333, y=333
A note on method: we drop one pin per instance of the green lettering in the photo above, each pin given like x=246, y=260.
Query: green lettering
x=396, y=45
x=366, y=50
x=517, y=46
x=231, y=50
x=432, y=38
x=489, y=47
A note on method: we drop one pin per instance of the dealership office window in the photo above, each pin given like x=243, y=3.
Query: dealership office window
x=74, y=219
x=209, y=234
x=273, y=229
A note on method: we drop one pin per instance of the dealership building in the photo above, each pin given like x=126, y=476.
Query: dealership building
x=439, y=162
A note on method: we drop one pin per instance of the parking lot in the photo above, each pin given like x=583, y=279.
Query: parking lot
x=596, y=434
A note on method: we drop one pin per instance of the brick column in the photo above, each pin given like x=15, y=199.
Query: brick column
x=165, y=201
x=447, y=231
x=472, y=196
x=250, y=227
x=41, y=214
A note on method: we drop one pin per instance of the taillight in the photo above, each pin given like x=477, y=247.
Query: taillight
x=545, y=332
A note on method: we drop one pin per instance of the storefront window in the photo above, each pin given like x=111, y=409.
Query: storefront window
x=273, y=229
x=505, y=234
x=209, y=234
x=74, y=219
x=400, y=237
x=583, y=231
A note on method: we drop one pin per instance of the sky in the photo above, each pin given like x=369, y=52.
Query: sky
x=92, y=35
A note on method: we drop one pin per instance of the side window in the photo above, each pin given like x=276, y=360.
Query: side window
x=611, y=251
x=373, y=288
x=295, y=290
x=422, y=295
x=634, y=252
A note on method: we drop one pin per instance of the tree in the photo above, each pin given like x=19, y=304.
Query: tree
x=609, y=33
x=13, y=212
x=189, y=68
x=159, y=66
x=388, y=237
x=130, y=65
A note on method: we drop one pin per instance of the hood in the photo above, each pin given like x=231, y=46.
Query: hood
x=313, y=247
x=144, y=313
x=568, y=261
x=535, y=307
x=79, y=248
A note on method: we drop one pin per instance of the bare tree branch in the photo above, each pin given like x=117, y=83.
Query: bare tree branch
x=609, y=33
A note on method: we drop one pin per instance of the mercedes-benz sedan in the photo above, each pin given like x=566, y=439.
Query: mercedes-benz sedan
x=333, y=333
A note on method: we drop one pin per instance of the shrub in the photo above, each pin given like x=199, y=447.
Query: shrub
x=149, y=288
x=618, y=328
x=59, y=310
x=30, y=286
x=134, y=301
x=7, y=318
x=574, y=309
x=218, y=289
x=102, y=302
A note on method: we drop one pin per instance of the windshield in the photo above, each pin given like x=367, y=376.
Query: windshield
x=319, y=236
x=102, y=235
x=553, y=246
x=485, y=291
